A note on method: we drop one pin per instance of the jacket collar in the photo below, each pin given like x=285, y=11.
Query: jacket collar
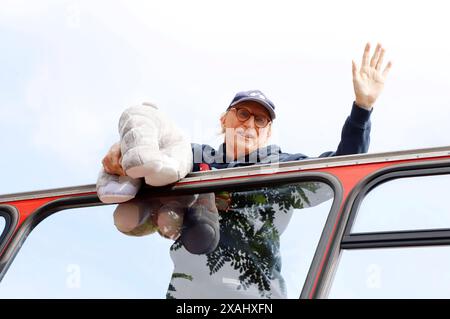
x=267, y=154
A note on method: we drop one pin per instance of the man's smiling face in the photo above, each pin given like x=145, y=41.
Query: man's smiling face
x=245, y=136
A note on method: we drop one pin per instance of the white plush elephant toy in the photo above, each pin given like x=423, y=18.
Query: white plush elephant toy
x=154, y=149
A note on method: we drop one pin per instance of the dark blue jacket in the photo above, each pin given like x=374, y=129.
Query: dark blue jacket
x=355, y=139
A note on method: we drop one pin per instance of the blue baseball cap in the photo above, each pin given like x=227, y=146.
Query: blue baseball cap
x=256, y=96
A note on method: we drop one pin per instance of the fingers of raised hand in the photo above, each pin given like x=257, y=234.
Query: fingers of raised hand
x=387, y=69
x=354, y=69
x=365, y=58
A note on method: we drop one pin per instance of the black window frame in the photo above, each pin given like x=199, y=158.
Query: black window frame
x=345, y=240
x=235, y=184
x=7, y=218
x=400, y=238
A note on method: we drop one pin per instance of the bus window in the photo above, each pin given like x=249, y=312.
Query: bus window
x=401, y=250
x=410, y=272
x=268, y=239
x=2, y=225
x=407, y=203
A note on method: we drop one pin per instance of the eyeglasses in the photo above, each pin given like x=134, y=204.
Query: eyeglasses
x=243, y=115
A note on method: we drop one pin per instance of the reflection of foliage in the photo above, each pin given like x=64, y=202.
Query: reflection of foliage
x=171, y=287
x=250, y=240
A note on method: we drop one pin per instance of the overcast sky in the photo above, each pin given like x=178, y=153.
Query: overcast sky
x=69, y=68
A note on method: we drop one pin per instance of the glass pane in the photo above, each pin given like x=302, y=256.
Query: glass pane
x=267, y=241
x=409, y=203
x=419, y=272
x=299, y=242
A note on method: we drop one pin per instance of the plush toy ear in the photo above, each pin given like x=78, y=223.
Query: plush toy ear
x=169, y=219
x=153, y=146
x=134, y=218
x=222, y=121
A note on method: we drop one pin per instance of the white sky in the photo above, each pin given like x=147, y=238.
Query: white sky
x=69, y=68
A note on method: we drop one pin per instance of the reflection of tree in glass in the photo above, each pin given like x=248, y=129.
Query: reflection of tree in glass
x=250, y=242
